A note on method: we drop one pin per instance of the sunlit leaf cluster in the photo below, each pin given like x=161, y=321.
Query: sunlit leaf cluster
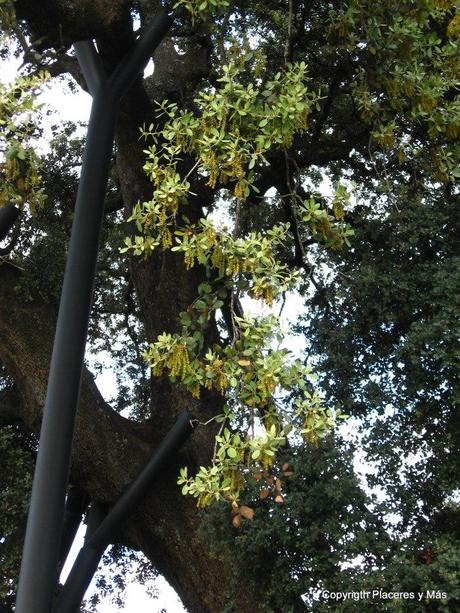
x=409, y=90
x=201, y=8
x=238, y=125
x=235, y=459
x=20, y=180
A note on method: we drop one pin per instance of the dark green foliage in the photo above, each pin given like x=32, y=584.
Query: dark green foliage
x=324, y=525
x=16, y=462
x=387, y=331
x=431, y=578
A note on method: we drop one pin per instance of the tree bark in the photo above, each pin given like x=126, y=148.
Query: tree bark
x=109, y=450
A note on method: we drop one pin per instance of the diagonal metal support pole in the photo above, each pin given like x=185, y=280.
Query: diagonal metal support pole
x=90, y=554
x=76, y=503
x=39, y=568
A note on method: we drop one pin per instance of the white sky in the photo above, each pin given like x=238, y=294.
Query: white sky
x=137, y=600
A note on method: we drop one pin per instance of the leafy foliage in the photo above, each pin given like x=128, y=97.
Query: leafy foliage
x=404, y=348
x=235, y=130
x=201, y=8
x=326, y=135
x=16, y=481
x=20, y=181
x=313, y=532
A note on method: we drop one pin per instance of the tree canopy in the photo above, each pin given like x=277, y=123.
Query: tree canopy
x=278, y=149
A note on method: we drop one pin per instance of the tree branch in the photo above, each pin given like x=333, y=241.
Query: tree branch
x=104, y=440
x=10, y=406
x=333, y=87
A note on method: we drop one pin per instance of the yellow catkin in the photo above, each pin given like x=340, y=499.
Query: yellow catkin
x=189, y=260
x=166, y=238
x=12, y=169
x=213, y=176
x=216, y=257
x=239, y=190
x=178, y=361
x=453, y=131
x=268, y=296
x=453, y=29
x=195, y=390
x=210, y=237
x=148, y=221
x=157, y=369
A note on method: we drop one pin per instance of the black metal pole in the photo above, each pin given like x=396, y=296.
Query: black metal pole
x=43, y=535
x=75, y=506
x=88, y=559
x=38, y=576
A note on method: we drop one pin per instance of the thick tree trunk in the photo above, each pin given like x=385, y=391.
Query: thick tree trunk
x=108, y=452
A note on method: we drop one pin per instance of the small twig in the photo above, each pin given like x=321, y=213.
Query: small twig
x=235, y=329
x=191, y=171
x=4, y=260
x=223, y=30
x=197, y=422
x=222, y=425
x=22, y=41
x=288, y=45
x=276, y=197
x=294, y=196
x=283, y=304
x=344, y=275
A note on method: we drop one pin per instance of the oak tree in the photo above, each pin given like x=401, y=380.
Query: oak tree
x=278, y=147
